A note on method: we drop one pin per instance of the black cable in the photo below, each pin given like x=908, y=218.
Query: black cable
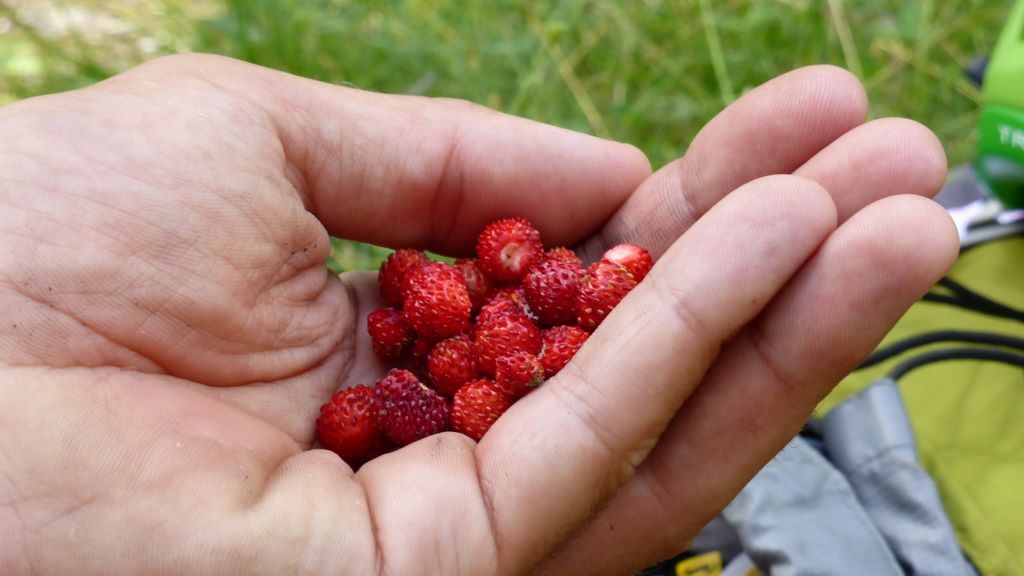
x=901, y=346
x=961, y=303
x=973, y=300
x=947, y=354
x=963, y=291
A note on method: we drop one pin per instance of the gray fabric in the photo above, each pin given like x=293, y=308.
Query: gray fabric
x=718, y=536
x=799, y=516
x=869, y=439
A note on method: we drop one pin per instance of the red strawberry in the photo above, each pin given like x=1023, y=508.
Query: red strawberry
x=451, y=364
x=633, y=258
x=477, y=406
x=390, y=331
x=476, y=283
x=421, y=348
x=518, y=374
x=603, y=287
x=348, y=426
x=560, y=344
x=552, y=289
x=394, y=270
x=408, y=409
x=564, y=254
x=507, y=248
x=503, y=334
x=437, y=302
x=509, y=295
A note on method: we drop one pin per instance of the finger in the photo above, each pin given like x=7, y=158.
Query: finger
x=415, y=509
x=558, y=453
x=878, y=159
x=767, y=381
x=773, y=129
x=410, y=171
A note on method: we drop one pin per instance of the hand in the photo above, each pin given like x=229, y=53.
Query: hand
x=170, y=330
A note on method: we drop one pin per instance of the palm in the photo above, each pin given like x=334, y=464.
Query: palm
x=214, y=311
x=195, y=329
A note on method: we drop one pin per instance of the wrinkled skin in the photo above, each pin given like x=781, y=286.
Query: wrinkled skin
x=170, y=330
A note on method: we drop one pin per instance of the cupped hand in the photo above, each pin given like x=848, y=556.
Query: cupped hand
x=169, y=328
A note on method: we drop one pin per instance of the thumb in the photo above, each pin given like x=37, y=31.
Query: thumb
x=443, y=168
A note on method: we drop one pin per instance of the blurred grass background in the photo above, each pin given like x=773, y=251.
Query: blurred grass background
x=650, y=72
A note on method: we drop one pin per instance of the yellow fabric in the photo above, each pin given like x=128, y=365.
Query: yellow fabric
x=707, y=564
x=968, y=417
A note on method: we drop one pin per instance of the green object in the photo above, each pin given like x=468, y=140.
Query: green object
x=968, y=417
x=1000, y=160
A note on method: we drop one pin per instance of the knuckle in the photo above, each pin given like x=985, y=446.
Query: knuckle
x=781, y=378
x=577, y=395
x=680, y=302
x=461, y=106
x=191, y=63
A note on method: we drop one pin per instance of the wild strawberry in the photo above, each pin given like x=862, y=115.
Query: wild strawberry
x=565, y=254
x=602, y=288
x=633, y=258
x=476, y=283
x=518, y=374
x=408, y=409
x=394, y=270
x=390, y=332
x=437, y=302
x=421, y=348
x=347, y=426
x=496, y=306
x=507, y=248
x=476, y=406
x=560, y=344
x=552, y=288
x=503, y=334
x=510, y=295
x=451, y=364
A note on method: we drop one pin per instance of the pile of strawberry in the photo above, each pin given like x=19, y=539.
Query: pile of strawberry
x=473, y=337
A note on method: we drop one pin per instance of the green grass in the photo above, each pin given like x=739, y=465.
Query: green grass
x=650, y=72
